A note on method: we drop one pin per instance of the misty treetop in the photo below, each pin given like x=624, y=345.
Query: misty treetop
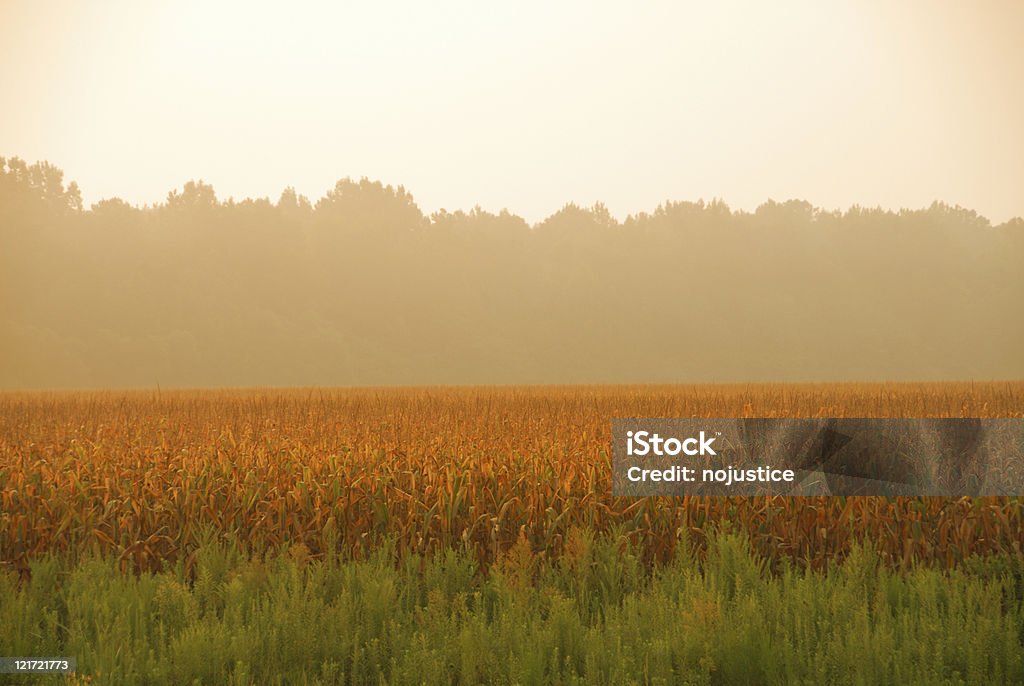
x=361, y=287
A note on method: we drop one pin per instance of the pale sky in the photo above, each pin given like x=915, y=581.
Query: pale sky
x=526, y=105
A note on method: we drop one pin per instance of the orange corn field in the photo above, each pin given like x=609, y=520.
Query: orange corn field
x=150, y=476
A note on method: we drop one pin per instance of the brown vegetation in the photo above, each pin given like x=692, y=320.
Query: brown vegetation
x=144, y=474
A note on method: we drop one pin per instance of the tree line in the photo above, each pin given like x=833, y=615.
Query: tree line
x=362, y=287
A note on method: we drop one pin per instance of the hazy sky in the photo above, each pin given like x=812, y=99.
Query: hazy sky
x=526, y=105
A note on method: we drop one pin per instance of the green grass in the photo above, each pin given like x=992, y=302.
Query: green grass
x=593, y=617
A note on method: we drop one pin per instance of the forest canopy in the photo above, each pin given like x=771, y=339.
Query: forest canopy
x=361, y=287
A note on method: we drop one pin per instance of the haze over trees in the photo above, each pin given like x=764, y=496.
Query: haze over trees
x=360, y=287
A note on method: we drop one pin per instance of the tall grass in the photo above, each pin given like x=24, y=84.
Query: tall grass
x=598, y=615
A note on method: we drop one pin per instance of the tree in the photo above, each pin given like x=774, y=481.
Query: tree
x=369, y=207
x=195, y=195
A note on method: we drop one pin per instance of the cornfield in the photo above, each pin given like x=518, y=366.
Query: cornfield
x=150, y=476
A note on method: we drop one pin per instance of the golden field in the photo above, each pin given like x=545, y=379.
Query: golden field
x=149, y=476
